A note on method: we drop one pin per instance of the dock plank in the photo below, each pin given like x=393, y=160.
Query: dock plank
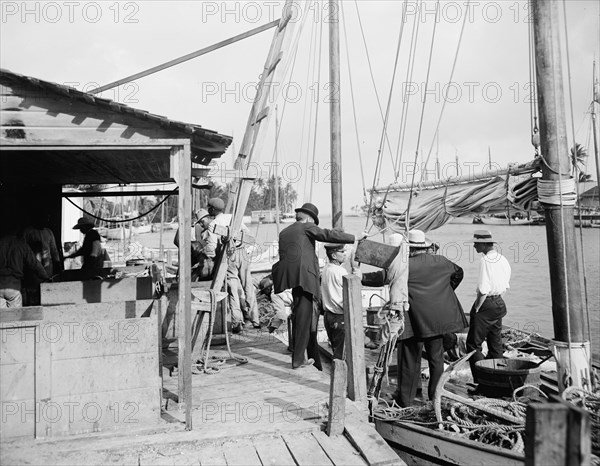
x=241, y=453
x=370, y=444
x=306, y=450
x=339, y=450
x=212, y=455
x=273, y=452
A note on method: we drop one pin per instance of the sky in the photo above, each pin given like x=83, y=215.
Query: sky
x=487, y=112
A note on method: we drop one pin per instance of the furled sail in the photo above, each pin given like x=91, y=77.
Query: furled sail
x=435, y=203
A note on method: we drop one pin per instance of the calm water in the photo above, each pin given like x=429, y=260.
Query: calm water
x=528, y=300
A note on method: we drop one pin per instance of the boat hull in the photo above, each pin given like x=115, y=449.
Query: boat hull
x=505, y=221
x=418, y=445
x=462, y=220
x=114, y=233
x=139, y=230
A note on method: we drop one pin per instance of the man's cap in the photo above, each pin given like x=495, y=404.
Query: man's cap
x=332, y=247
x=482, y=236
x=201, y=213
x=83, y=222
x=216, y=203
x=417, y=239
x=311, y=210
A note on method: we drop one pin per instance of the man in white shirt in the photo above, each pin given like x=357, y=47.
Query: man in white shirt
x=489, y=308
x=332, y=288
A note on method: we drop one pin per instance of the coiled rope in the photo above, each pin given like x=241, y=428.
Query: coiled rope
x=557, y=192
x=590, y=401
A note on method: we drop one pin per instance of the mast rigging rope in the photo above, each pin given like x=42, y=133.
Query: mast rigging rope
x=360, y=159
x=406, y=97
x=437, y=10
x=437, y=128
x=316, y=110
x=575, y=169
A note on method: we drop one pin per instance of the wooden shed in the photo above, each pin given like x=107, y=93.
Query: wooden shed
x=53, y=380
x=52, y=135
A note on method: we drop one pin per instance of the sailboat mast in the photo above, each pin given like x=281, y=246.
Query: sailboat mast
x=595, y=100
x=335, y=116
x=276, y=174
x=570, y=324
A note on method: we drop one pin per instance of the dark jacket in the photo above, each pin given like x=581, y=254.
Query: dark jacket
x=434, y=307
x=298, y=264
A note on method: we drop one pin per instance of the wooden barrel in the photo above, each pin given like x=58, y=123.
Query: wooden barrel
x=500, y=377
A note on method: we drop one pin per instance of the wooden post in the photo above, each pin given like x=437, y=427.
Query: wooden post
x=557, y=434
x=182, y=159
x=335, y=120
x=570, y=323
x=354, y=340
x=337, y=398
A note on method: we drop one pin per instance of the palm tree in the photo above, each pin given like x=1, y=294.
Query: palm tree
x=578, y=157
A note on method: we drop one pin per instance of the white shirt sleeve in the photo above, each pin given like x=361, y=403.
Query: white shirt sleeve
x=485, y=285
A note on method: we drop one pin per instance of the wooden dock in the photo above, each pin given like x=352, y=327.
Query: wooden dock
x=258, y=413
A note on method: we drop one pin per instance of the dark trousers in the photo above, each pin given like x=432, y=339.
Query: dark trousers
x=334, y=325
x=409, y=367
x=305, y=319
x=486, y=325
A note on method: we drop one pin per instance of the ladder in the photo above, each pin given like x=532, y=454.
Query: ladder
x=256, y=129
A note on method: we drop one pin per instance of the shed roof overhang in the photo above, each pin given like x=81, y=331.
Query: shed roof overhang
x=54, y=134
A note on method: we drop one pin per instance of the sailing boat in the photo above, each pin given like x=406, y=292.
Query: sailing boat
x=439, y=445
x=571, y=346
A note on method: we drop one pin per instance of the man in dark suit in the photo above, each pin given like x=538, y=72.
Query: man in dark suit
x=298, y=269
x=434, y=311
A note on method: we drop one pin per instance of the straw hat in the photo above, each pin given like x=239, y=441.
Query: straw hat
x=483, y=236
x=417, y=240
x=201, y=213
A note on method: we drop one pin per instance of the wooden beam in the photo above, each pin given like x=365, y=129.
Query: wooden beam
x=187, y=57
x=335, y=119
x=228, y=173
x=485, y=174
x=181, y=159
x=337, y=398
x=558, y=434
x=569, y=317
x=96, y=291
x=354, y=340
x=155, y=192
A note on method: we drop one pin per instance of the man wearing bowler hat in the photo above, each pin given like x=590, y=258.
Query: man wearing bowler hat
x=298, y=269
x=489, y=308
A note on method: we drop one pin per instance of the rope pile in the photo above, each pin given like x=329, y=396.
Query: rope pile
x=516, y=338
x=590, y=401
x=462, y=421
